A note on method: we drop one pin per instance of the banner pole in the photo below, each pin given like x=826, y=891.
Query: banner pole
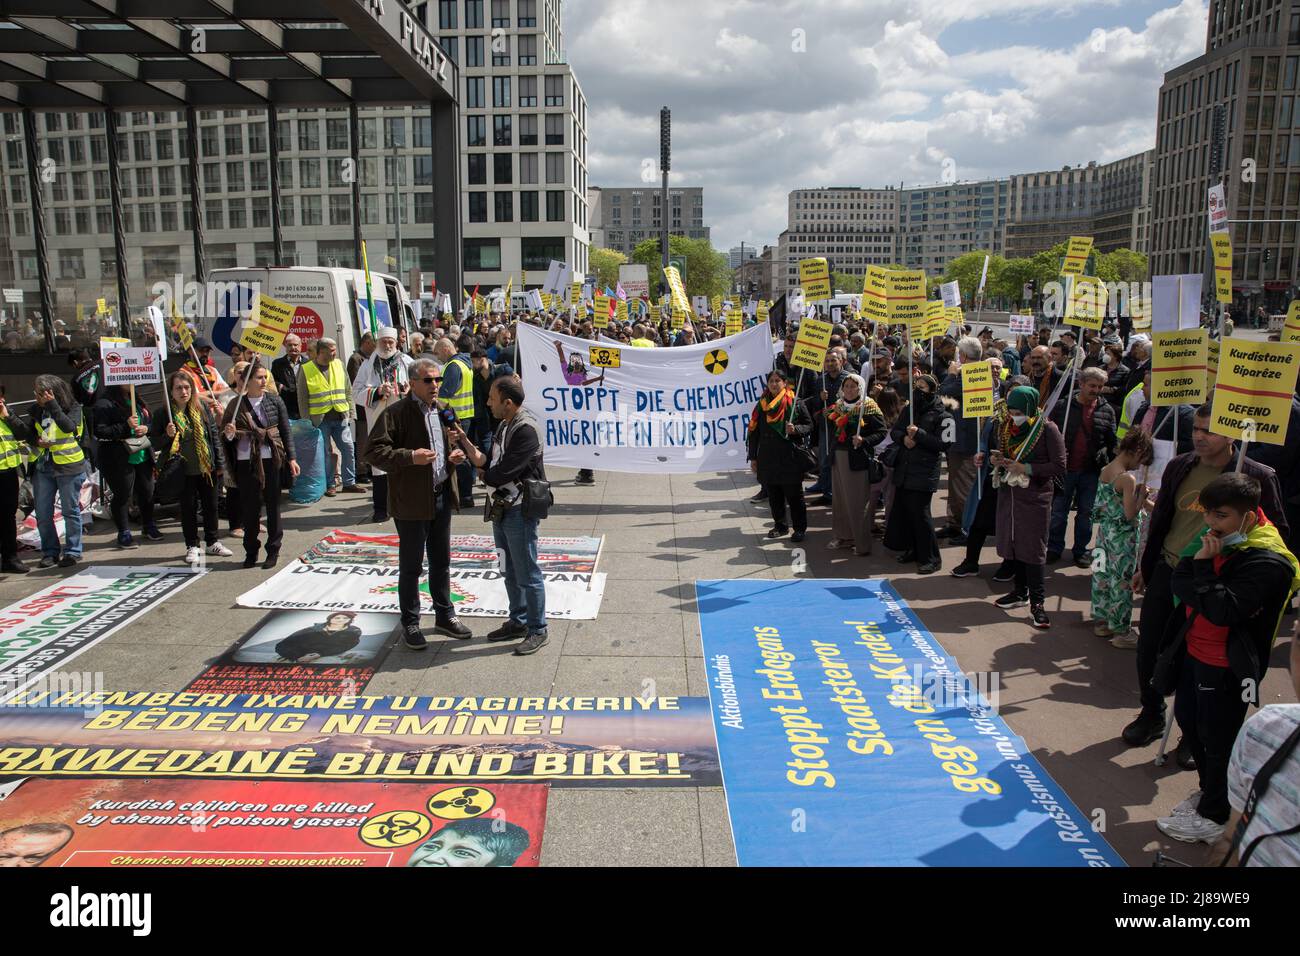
x=797, y=387
x=911, y=402
x=596, y=563
x=248, y=375
x=166, y=398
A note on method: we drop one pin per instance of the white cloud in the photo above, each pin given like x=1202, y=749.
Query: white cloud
x=876, y=98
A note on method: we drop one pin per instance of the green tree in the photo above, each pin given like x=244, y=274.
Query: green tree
x=604, y=264
x=847, y=282
x=1122, y=265
x=966, y=270
x=708, y=272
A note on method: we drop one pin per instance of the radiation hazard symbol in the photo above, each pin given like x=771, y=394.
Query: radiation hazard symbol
x=461, y=803
x=396, y=828
x=715, y=363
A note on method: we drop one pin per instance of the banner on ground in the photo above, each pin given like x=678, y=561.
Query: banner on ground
x=682, y=410
x=976, y=390
x=575, y=741
x=358, y=572
x=209, y=824
x=125, y=364
x=302, y=652
x=1178, y=367
x=45, y=631
x=849, y=737
x=1252, y=400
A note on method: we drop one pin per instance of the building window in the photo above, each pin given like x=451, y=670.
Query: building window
x=311, y=210
x=537, y=251
x=336, y=133
x=501, y=135
x=446, y=14
x=528, y=130
x=340, y=210
x=424, y=207
x=483, y=255
x=235, y=140
x=308, y=134
x=555, y=91
x=500, y=13
x=528, y=206
x=236, y=213
x=473, y=51
x=451, y=46
x=501, y=172
x=421, y=132
x=473, y=92
x=478, y=207
x=528, y=13
x=501, y=92
x=505, y=207
x=555, y=205
x=528, y=168
x=528, y=51
x=476, y=131
x=555, y=167
x=527, y=91
x=473, y=14
x=500, y=50
x=423, y=170
x=477, y=174
x=214, y=215
x=261, y=212
x=395, y=132
x=308, y=173
x=555, y=129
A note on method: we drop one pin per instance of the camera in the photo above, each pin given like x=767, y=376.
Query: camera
x=497, y=505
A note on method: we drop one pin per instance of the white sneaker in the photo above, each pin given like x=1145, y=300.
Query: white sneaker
x=1189, y=805
x=1191, y=828
x=192, y=555
x=219, y=550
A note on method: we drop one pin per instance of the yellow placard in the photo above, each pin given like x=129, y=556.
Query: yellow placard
x=1212, y=362
x=1252, y=400
x=936, y=322
x=815, y=278
x=955, y=315
x=715, y=306
x=762, y=311
x=679, y=320
x=268, y=326
x=480, y=305
x=676, y=290
x=814, y=336
x=575, y=293
x=599, y=356
x=101, y=306
x=1222, y=244
x=1179, y=372
x=620, y=311
x=976, y=390
x=1076, y=255
x=905, y=292
x=1139, y=309
x=1291, y=328
x=875, y=293
x=600, y=303
x=1086, y=306
x=735, y=321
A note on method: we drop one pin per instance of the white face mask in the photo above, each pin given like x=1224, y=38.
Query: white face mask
x=1019, y=418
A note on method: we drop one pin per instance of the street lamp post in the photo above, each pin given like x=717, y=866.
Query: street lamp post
x=665, y=161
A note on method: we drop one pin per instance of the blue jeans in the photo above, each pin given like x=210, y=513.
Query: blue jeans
x=517, y=537
x=1080, y=493
x=340, y=433
x=45, y=484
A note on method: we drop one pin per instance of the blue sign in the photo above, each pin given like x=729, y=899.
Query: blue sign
x=383, y=314
x=848, y=736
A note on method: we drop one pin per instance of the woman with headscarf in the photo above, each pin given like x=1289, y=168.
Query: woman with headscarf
x=778, y=425
x=259, y=446
x=922, y=436
x=856, y=424
x=1027, y=454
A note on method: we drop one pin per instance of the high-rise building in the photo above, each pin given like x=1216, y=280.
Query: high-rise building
x=850, y=226
x=1233, y=112
x=622, y=217
x=523, y=150
x=936, y=224
x=738, y=255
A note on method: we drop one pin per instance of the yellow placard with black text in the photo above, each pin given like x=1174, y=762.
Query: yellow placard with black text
x=1086, y=306
x=1221, y=243
x=815, y=279
x=1291, y=328
x=1077, y=251
x=810, y=346
x=905, y=293
x=268, y=326
x=1252, y=399
x=976, y=390
x=1179, y=369
x=875, y=294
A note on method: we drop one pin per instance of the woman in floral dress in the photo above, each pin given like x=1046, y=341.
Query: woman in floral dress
x=1117, y=516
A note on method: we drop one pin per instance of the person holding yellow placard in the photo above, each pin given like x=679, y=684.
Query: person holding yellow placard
x=778, y=428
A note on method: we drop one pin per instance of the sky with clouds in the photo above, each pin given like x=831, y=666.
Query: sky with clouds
x=774, y=95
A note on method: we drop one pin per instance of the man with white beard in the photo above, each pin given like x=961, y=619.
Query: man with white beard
x=381, y=380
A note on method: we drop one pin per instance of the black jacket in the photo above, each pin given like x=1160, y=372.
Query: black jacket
x=1163, y=426
x=398, y=432
x=1246, y=596
x=1101, y=443
x=317, y=640
x=521, y=452
x=1270, y=499
x=967, y=442
x=285, y=375
x=162, y=444
x=484, y=421
x=917, y=469
x=780, y=461
x=1283, y=459
x=109, y=417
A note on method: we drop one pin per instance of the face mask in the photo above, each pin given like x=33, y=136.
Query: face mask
x=1019, y=418
x=1237, y=537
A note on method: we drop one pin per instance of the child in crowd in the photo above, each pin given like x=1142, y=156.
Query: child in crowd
x=1117, y=516
x=1233, y=583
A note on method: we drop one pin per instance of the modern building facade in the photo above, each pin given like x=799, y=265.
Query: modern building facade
x=850, y=226
x=738, y=255
x=522, y=149
x=622, y=217
x=936, y=224
x=1247, y=81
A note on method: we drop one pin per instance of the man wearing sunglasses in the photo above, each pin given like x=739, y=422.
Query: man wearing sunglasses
x=411, y=444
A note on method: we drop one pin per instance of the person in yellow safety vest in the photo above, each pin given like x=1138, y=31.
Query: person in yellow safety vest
x=12, y=435
x=1133, y=401
x=457, y=394
x=325, y=396
x=56, y=426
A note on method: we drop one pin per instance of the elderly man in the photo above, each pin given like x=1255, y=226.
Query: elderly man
x=1087, y=423
x=324, y=394
x=411, y=444
x=285, y=371
x=1043, y=375
x=961, y=453
x=381, y=381
x=457, y=393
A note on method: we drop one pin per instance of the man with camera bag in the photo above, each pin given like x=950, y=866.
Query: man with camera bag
x=412, y=443
x=519, y=500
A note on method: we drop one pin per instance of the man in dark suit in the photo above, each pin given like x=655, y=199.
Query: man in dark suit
x=284, y=371
x=410, y=442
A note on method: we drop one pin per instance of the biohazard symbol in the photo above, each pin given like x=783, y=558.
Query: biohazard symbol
x=396, y=828
x=715, y=363
x=461, y=803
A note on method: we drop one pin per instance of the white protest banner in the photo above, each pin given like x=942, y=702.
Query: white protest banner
x=159, y=330
x=635, y=280
x=1217, y=208
x=951, y=292
x=1021, y=325
x=1175, y=302
x=45, y=631
x=653, y=411
x=554, y=278
x=129, y=365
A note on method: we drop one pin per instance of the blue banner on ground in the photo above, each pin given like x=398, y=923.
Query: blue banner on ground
x=848, y=736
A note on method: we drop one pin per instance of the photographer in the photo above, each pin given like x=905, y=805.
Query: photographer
x=520, y=497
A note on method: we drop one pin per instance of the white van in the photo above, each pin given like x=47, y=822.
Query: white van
x=328, y=303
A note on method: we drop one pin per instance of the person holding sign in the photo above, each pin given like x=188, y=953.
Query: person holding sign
x=1028, y=455
x=856, y=426
x=778, y=427
x=126, y=460
x=921, y=440
x=1087, y=424
x=380, y=381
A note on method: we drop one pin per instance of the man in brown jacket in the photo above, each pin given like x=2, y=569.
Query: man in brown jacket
x=410, y=443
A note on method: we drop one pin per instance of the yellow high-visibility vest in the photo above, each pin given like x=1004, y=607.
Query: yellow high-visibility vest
x=64, y=447
x=1125, y=422
x=10, y=448
x=462, y=403
x=326, y=395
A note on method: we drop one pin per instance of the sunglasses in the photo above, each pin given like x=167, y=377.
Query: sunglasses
x=431, y=379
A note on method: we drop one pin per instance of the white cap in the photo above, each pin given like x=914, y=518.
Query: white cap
x=388, y=332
